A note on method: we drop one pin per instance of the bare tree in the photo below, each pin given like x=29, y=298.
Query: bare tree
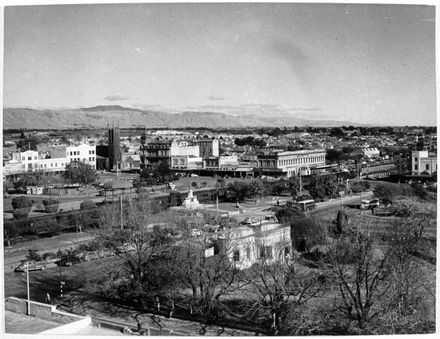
x=203, y=266
x=144, y=251
x=360, y=274
x=277, y=289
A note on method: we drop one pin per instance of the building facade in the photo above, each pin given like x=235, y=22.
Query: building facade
x=423, y=162
x=82, y=153
x=208, y=148
x=262, y=241
x=290, y=162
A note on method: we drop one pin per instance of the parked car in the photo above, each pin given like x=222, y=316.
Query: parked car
x=32, y=266
x=374, y=202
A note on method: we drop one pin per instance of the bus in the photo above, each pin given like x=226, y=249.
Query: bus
x=307, y=205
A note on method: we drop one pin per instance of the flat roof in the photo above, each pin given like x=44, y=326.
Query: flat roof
x=24, y=324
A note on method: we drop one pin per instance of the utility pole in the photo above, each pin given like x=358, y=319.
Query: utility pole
x=120, y=205
x=28, y=290
x=61, y=277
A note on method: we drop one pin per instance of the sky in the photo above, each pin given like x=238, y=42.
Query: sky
x=372, y=64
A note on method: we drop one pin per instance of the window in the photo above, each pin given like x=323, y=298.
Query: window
x=29, y=158
x=266, y=252
x=237, y=255
x=427, y=167
x=23, y=166
x=416, y=167
x=248, y=253
x=71, y=153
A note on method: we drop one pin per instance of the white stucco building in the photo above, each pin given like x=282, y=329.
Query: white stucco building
x=82, y=153
x=257, y=241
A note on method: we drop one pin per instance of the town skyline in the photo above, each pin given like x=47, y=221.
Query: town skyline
x=360, y=63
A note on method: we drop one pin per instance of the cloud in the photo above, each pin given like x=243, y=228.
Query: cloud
x=296, y=58
x=116, y=97
x=216, y=98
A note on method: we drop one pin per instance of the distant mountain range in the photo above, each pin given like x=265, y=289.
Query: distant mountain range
x=102, y=116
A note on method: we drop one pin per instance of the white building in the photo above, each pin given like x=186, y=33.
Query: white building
x=82, y=153
x=32, y=161
x=423, y=162
x=257, y=241
x=371, y=153
x=290, y=162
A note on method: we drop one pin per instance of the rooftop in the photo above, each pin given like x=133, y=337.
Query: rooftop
x=21, y=323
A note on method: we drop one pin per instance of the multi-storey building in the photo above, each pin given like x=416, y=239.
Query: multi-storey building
x=32, y=161
x=82, y=153
x=158, y=151
x=290, y=162
x=208, y=147
x=423, y=162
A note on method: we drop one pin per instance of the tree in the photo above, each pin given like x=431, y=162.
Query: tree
x=239, y=190
x=341, y=222
x=51, y=205
x=279, y=292
x=294, y=186
x=145, y=252
x=336, y=132
x=33, y=255
x=209, y=278
x=322, y=187
x=278, y=188
x=334, y=155
x=22, y=206
x=360, y=274
x=78, y=172
x=255, y=188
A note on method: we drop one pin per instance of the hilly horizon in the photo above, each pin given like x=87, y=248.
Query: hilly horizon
x=101, y=116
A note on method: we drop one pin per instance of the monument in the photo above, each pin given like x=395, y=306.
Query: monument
x=191, y=201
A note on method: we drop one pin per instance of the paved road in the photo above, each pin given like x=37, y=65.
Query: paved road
x=344, y=201
x=14, y=254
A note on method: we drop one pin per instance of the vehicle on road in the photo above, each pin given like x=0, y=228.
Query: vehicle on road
x=365, y=204
x=307, y=205
x=374, y=202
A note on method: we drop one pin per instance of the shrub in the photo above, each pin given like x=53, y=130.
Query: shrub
x=86, y=204
x=22, y=207
x=358, y=187
x=51, y=205
x=33, y=255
